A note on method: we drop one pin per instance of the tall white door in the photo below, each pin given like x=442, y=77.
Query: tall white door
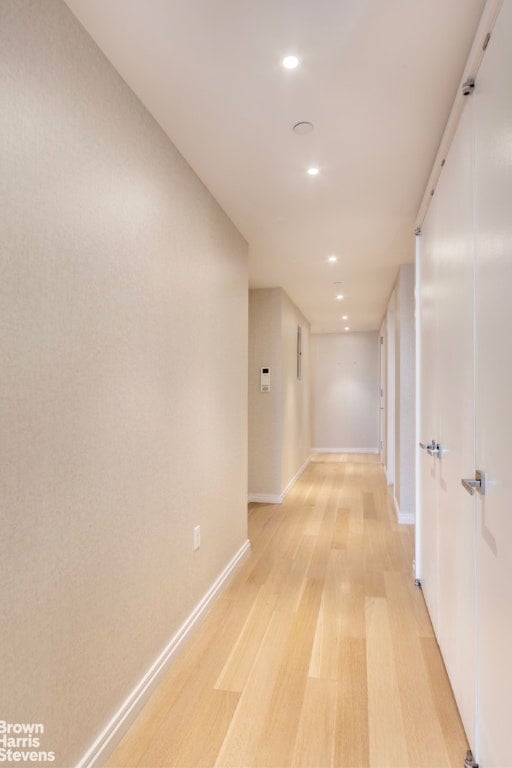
x=448, y=513
x=429, y=416
x=493, y=111
x=382, y=395
x=390, y=391
x=466, y=385
x=456, y=407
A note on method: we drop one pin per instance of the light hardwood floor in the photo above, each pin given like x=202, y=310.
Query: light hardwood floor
x=319, y=653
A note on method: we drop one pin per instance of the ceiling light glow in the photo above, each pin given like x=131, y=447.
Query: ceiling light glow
x=332, y=259
x=290, y=62
x=313, y=171
x=344, y=317
x=347, y=328
x=339, y=297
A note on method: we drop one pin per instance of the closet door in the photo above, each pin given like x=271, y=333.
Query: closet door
x=493, y=120
x=382, y=394
x=456, y=407
x=390, y=391
x=429, y=421
x=448, y=512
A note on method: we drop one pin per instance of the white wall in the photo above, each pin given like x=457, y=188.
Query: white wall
x=265, y=408
x=390, y=389
x=345, y=386
x=279, y=420
x=124, y=393
x=401, y=396
x=295, y=394
x=405, y=376
x=383, y=387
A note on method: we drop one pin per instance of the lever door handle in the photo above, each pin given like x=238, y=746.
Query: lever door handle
x=433, y=448
x=478, y=483
x=430, y=446
x=470, y=485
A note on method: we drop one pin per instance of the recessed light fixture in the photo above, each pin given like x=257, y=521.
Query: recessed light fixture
x=313, y=171
x=290, y=62
x=339, y=297
x=303, y=127
x=347, y=328
x=344, y=317
x=332, y=259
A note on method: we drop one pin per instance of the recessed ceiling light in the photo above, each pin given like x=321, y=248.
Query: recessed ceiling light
x=332, y=259
x=347, y=328
x=290, y=62
x=339, y=297
x=313, y=171
x=303, y=127
x=344, y=317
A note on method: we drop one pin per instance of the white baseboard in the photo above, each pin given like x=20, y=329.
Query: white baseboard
x=266, y=498
x=278, y=498
x=345, y=450
x=296, y=477
x=404, y=518
x=125, y=715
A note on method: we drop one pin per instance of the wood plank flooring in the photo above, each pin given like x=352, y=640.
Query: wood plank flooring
x=319, y=653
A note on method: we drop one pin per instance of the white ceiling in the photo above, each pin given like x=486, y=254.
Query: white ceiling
x=377, y=78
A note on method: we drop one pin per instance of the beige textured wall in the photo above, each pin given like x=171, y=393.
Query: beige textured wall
x=265, y=409
x=345, y=391
x=279, y=421
x=124, y=393
x=405, y=390
x=390, y=389
x=295, y=395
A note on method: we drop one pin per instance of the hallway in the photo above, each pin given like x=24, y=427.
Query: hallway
x=319, y=653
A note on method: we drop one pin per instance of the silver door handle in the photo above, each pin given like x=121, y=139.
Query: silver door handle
x=479, y=483
x=433, y=448
x=470, y=485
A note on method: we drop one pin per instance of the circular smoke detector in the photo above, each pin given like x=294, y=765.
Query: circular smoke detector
x=303, y=127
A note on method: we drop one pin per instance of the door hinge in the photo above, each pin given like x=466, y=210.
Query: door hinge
x=417, y=231
x=469, y=762
x=418, y=583
x=381, y=445
x=382, y=339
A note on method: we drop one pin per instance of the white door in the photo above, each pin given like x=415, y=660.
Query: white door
x=455, y=433
x=428, y=538
x=493, y=113
x=448, y=512
x=466, y=363
x=390, y=391
x=382, y=395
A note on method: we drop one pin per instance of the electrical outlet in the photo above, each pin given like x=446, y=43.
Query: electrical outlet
x=197, y=537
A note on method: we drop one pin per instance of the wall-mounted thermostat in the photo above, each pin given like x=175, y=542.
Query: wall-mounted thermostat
x=265, y=379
